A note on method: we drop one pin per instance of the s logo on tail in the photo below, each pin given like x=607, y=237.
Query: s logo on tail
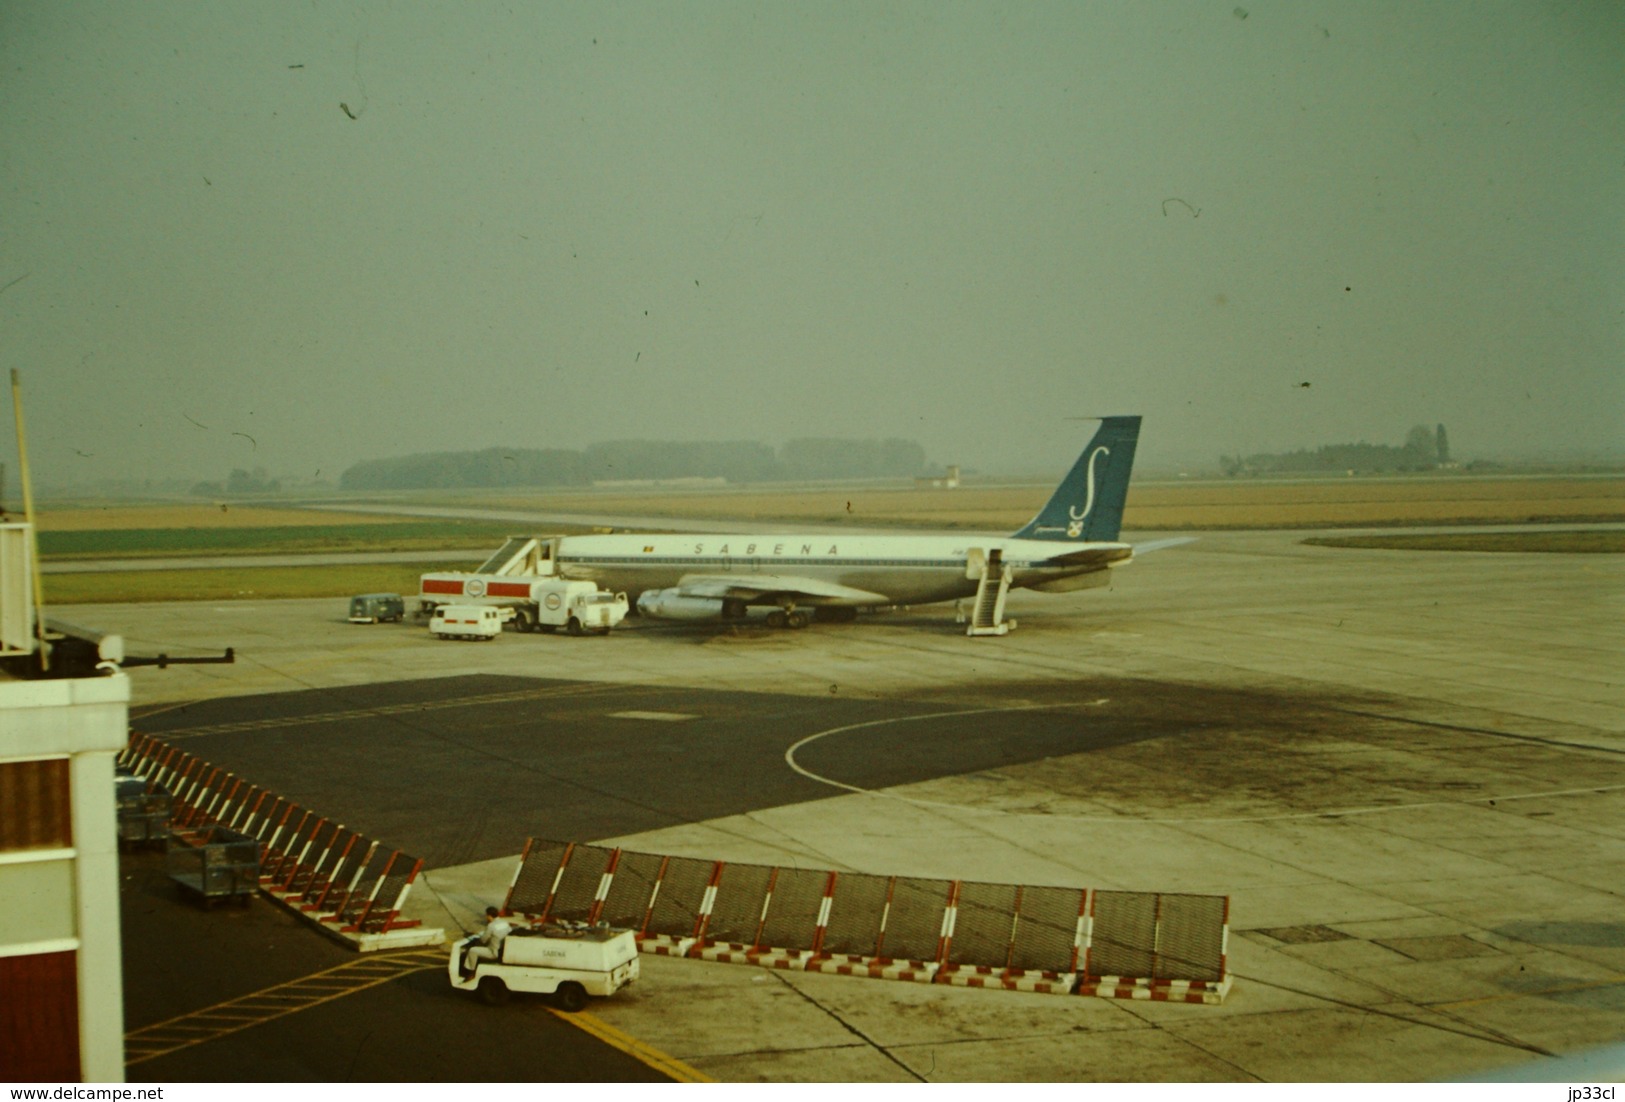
x=1075, y=529
x=1100, y=478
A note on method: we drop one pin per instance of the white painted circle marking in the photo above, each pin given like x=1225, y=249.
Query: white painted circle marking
x=1125, y=820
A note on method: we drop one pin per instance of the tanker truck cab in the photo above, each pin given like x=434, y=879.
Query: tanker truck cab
x=567, y=960
x=578, y=607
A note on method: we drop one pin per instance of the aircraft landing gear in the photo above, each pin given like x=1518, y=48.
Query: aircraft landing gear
x=793, y=618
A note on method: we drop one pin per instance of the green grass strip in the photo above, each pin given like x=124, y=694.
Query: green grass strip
x=138, y=542
x=1570, y=542
x=251, y=584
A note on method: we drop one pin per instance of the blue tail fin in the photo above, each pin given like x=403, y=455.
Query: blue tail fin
x=1088, y=504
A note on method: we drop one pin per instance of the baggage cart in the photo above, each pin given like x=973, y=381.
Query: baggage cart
x=143, y=811
x=215, y=864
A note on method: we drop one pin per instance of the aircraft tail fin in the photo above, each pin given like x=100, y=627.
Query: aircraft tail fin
x=1088, y=504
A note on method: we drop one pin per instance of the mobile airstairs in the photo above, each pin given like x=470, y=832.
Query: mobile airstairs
x=993, y=585
x=528, y=555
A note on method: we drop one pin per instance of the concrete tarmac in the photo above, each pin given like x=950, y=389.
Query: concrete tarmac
x=1407, y=769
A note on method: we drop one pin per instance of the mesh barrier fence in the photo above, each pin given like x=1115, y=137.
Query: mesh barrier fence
x=537, y=872
x=676, y=911
x=317, y=871
x=1021, y=932
x=736, y=913
x=281, y=867
x=578, y=884
x=914, y=919
x=857, y=910
x=1192, y=937
x=983, y=925
x=1047, y=929
x=627, y=904
x=256, y=819
x=276, y=831
x=306, y=861
x=346, y=869
x=1125, y=934
x=359, y=898
x=380, y=913
x=296, y=856
x=792, y=914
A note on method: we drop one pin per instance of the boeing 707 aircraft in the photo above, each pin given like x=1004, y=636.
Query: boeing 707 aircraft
x=791, y=579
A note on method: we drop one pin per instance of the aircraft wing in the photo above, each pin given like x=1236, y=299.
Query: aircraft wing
x=751, y=587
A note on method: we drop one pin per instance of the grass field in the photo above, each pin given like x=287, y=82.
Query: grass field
x=93, y=543
x=93, y=532
x=1595, y=542
x=1207, y=506
x=219, y=515
x=254, y=583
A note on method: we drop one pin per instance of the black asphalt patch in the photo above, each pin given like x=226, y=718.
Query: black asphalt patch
x=463, y=769
x=180, y=958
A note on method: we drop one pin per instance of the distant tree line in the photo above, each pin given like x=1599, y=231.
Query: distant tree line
x=735, y=461
x=239, y=483
x=1424, y=449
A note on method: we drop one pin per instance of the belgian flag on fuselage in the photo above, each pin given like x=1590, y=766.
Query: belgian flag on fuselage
x=1088, y=505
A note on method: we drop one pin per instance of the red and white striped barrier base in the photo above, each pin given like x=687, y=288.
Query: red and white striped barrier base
x=664, y=945
x=1170, y=991
x=879, y=968
x=794, y=960
x=723, y=952
x=1013, y=979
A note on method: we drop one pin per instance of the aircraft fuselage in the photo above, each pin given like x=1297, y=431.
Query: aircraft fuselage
x=885, y=569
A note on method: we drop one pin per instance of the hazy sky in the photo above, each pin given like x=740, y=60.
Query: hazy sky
x=552, y=224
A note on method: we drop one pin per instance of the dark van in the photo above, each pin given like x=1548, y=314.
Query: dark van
x=375, y=608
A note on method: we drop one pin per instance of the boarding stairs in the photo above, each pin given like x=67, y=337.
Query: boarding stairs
x=987, y=615
x=521, y=555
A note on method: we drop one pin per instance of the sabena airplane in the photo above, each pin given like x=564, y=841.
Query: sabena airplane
x=792, y=579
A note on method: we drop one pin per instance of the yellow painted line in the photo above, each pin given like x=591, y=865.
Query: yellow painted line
x=644, y=1053
x=168, y=1036
x=198, y=1026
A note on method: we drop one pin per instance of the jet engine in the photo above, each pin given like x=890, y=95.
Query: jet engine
x=670, y=604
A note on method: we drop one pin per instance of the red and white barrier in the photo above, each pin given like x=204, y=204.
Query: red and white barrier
x=296, y=848
x=786, y=918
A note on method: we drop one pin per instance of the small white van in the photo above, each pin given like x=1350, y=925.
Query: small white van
x=467, y=621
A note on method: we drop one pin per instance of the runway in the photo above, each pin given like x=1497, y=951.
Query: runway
x=1407, y=769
